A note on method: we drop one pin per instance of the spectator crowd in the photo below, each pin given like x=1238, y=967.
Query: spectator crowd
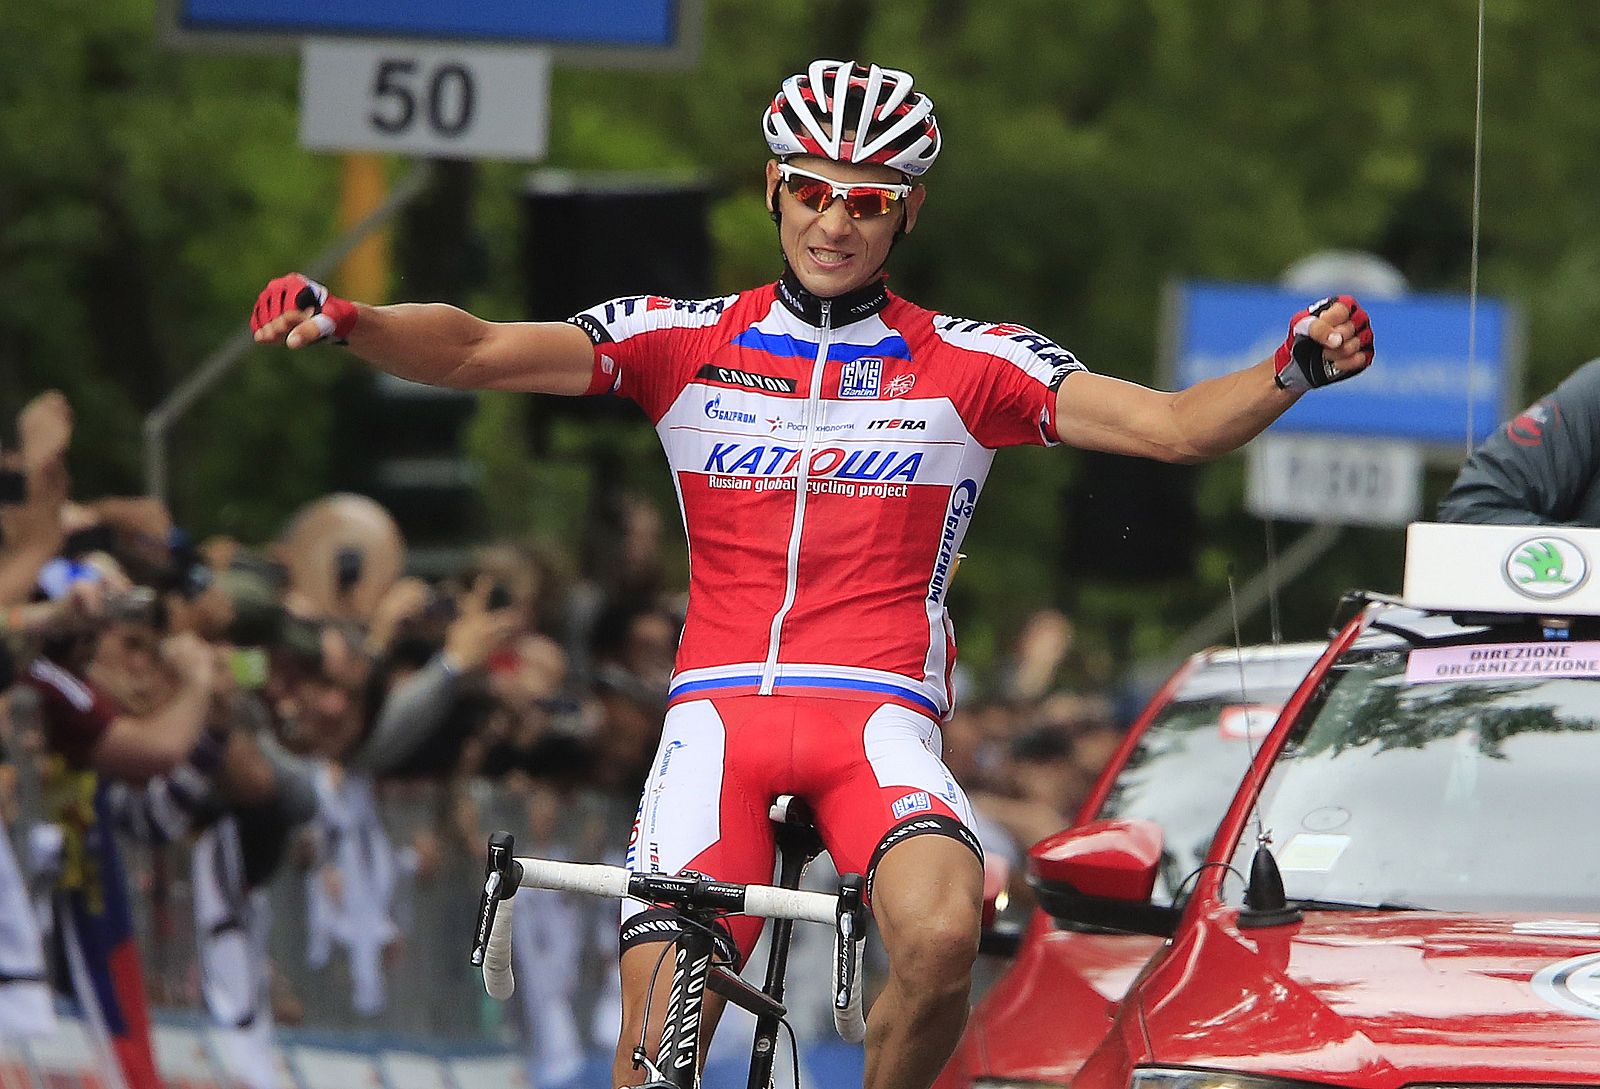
x=255, y=778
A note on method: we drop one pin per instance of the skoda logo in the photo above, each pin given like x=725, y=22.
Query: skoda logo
x=1572, y=985
x=1546, y=568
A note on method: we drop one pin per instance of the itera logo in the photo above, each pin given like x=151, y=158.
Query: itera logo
x=1546, y=568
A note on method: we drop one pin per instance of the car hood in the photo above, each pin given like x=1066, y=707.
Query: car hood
x=1054, y=1005
x=1383, y=997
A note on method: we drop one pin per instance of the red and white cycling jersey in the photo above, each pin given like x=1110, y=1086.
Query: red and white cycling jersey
x=828, y=455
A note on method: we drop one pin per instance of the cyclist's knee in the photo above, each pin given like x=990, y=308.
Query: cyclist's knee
x=928, y=905
x=937, y=948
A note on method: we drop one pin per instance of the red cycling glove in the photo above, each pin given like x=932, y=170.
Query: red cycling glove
x=334, y=317
x=1298, y=360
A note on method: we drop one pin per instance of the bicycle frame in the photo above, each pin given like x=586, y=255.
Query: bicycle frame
x=678, y=1060
x=797, y=846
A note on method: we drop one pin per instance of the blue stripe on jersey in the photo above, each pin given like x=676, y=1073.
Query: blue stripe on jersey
x=860, y=686
x=716, y=682
x=785, y=346
x=809, y=682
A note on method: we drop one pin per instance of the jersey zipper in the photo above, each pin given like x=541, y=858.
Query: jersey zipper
x=769, y=671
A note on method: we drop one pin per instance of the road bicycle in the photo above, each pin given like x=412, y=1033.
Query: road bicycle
x=700, y=901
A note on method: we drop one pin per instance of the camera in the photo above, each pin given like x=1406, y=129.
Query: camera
x=135, y=605
x=81, y=542
x=347, y=566
x=13, y=487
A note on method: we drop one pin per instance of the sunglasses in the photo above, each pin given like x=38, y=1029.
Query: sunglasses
x=860, y=201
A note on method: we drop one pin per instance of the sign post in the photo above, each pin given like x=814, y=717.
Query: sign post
x=363, y=187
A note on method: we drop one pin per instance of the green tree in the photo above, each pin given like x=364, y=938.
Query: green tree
x=1095, y=153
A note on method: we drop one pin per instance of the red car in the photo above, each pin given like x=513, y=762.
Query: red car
x=1179, y=766
x=1405, y=890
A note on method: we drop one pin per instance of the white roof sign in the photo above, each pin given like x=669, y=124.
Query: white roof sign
x=1549, y=570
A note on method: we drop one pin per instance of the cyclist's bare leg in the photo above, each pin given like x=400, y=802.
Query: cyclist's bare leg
x=927, y=900
x=638, y=963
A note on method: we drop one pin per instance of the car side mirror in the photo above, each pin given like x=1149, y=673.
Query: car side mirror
x=1101, y=875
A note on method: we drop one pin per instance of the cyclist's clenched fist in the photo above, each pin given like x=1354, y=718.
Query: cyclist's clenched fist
x=1328, y=341
x=297, y=311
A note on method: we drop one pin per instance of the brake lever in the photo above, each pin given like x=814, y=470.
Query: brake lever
x=502, y=874
x=852, y=928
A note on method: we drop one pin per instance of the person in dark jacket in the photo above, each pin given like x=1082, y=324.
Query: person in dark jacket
x=1542, y=467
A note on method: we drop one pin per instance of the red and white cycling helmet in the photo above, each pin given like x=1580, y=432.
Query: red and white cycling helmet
x=884, y=119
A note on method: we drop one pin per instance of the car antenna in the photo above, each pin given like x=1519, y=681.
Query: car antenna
x=1264, y=901
x=1272, y=584
x=1477, y=217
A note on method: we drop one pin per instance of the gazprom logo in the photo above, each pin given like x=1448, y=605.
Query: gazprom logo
x=963, y=501
x=713, y=411
x=666, y=757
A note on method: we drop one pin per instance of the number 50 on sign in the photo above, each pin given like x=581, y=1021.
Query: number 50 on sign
x=458, y=102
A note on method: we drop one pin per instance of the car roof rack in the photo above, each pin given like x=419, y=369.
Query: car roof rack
x=1419, y=625
x=1352, y=602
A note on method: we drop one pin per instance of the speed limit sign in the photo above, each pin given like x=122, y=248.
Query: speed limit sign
x=448, y=101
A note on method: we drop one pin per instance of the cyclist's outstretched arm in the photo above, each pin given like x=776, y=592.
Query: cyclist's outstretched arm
x=434, y=343
x=1221, y=414
x=1210, y=418
x=444, y=346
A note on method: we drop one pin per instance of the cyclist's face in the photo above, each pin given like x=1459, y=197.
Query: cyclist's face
x=831, y=253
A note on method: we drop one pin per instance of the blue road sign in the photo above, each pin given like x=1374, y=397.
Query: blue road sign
x=613, y=24
x=1416, y=390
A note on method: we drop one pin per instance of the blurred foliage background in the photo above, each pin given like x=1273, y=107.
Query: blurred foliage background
x=1094, y=152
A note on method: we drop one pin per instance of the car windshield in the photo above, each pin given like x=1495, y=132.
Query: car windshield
x=1190, y=759
x=1469, y=794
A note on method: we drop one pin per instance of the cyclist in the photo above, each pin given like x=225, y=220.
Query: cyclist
x=828, y=441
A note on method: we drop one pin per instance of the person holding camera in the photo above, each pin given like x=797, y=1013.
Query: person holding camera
x=34, y=485
x=33, y=491
x=116, y=702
